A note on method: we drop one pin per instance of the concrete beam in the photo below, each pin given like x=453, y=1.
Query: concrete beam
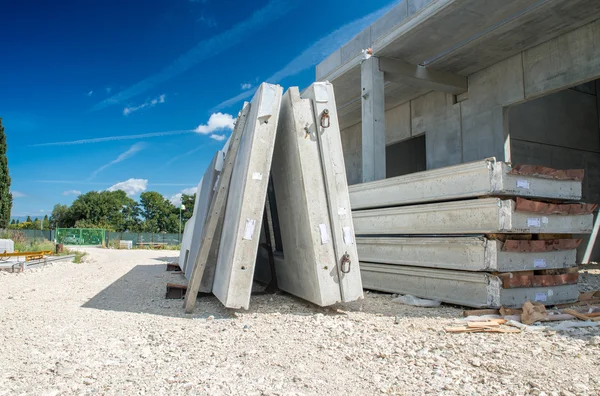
x=402, y=72
x=373, y=121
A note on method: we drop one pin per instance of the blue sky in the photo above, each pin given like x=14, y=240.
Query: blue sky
x=139, y=95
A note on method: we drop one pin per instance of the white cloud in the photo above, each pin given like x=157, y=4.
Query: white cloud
x=218, y=138
x=90, y=93
x=207, y=49
x=216, y=122
x=146, y=104
x=176, y=199
x=18, y=194
x=316, y=52
x=72, y=192
x=131, y=187
x=246, y=86
x=136, y=148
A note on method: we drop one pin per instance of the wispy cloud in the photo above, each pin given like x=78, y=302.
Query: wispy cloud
x=18, y=194
x=91, y=93
x=146, y=104
x=315, y=53
x=177, y=158
x=207, y=21
x=206, y=49
x=131, y=187
x=246, y=86
x=218, y=138
x=133, y=150
x=216, y=122
x=108, y=90
x=71, y=192
x=115, y=138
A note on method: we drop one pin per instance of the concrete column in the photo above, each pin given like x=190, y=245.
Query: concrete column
x=373, y=120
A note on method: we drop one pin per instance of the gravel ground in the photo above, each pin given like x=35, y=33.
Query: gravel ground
x=104, y=327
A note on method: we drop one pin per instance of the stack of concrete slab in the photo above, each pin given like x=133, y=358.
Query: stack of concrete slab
x=297, y=140
x=481, y=234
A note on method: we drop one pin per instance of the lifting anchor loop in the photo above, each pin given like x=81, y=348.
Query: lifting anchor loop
x=325, y=120
x=346, y=263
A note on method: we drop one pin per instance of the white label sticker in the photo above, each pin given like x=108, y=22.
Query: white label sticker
x=539, y=263
x=257, y=176
x=249, y=230
x=324, y=234
x=541, y=297
x=523, y=184
x=534, y=222
x=545, y=220
x=342, y=211
x=550, y=293
x=321, y=93
x=348, y=238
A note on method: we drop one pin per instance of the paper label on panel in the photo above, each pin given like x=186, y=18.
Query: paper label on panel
x=324, y=234
x=539, y=263
x=541, y=297
x=342, y=212
x=348, y=238
x=321, y=94
x=257, y=176
x=534, y=222
x=249, y=230
x=545, y=220
x=523, y=184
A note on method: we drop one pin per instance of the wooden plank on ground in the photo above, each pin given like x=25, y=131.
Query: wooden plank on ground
x=577, y=314
x=217, y=210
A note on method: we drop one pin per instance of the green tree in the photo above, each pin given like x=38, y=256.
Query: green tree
x=28, y=219
x=60, y=217
x=12, y=222
x=5, y=181
x=188, y=201
x=112, y=210
x=159, y=214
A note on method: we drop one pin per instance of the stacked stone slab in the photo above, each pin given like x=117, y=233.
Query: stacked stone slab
x=475, y=234
x=295, y=139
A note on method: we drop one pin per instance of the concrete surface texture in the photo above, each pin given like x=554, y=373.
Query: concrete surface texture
x=125, y=338
x=246, y=200
x=471, y=289
x=469, y=180
x=313, y=253
x=459, y=253
x=478, y=216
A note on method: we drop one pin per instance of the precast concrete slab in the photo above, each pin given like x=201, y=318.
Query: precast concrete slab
x=471, y=289
x=201, y=207
x=471, y=180
x=246, y=200
x=321, y=264
x=477, y=216
x=459, y=253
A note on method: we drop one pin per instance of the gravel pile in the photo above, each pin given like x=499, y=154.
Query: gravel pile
x=104, y=327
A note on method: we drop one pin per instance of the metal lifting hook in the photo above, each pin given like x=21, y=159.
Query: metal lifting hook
x=346, y=263
x=325, y=120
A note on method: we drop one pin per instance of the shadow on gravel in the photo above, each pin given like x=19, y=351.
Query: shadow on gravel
x=142, y=290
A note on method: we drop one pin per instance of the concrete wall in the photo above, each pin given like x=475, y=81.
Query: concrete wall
x=476, y=125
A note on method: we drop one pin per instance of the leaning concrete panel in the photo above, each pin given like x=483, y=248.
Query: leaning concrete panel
x=472, y=289
x=459, y=253
x=311, y=270
x=478, y=216
x=471, y=180
x=246, y=201
x=203, y=200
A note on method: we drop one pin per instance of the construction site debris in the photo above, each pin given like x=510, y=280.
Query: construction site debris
x=417, y=302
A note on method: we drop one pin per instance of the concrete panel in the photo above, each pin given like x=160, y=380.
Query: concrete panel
x=562, y=158
x=479, y=216
x=567, y=118
x=471, y=289
x=435, y=115
x=489, y=90
x=390, y=20
x=309, y=271
x=459, y=253
x=470, y=180
x=246, y=200
x=351, y=143
x=398, y=124
x=562, y=62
